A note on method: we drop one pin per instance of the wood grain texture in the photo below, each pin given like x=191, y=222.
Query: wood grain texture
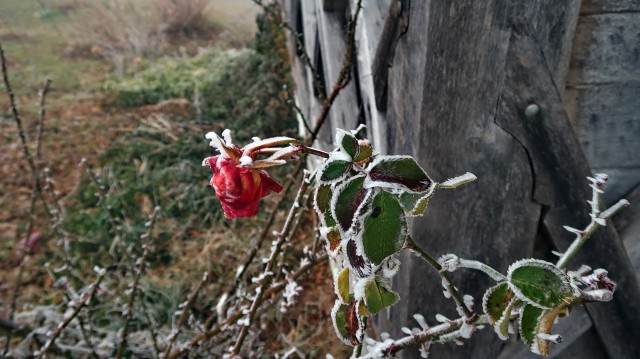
x=443, y=88
x=609, y=6
x=332, y=39
x=606, y=49
x=396, y=24
x=602, y=97
x=457, y=85
x=560, y=170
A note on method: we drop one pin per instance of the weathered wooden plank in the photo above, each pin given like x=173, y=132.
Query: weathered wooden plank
x=443, y=88
x=395, y=25
x=609, y=6
x=607, y=120
x=572, y=328
x=560, y=170
x=606, y=49
x=628, y=225
x=335, y=5
x=369, y=28
x=332, y=44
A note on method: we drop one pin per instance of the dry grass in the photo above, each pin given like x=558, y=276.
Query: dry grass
x=126, y=31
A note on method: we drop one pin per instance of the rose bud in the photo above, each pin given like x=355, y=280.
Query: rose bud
x=239, y=189
x=239, y=186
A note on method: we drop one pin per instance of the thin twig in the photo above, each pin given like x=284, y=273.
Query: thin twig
x=269, y=293
x=92, y=291
x=392, y=347
x=598, y=219
x=275, y=11
x=34, y=191
x=267, y=274
x=343, y=80
x=457, y=297
x=140, y=262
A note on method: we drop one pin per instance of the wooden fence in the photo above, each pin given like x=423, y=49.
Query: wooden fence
x=448, y=82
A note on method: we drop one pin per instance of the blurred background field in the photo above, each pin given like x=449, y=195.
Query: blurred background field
x=136, y=85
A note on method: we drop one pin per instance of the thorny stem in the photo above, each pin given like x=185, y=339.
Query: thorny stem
x=183, y=316
x=134, y=286
x=268, y=271
x=277, y=14
x=94, y=287
x=34, y=190
x=345, y=74
x=457, y=297
x=598, y=219
x=269, y=293
x=429, y=334
x=314, y=151
x=342, y=82
x=21, y=133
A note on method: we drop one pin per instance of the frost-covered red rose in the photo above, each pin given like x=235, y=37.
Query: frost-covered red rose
x=239, y=189
x=238, y=177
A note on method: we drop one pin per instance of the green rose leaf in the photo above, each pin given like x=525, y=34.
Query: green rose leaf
x=529, y=319
x=535, y=321
x=347, y=142
x=377, y=296
x=385, y=228
x=365, y=151
x=342, y=285
x=501, y=327
x=414, y=204
x=333, y=170
x=496, y=300
x=399, y=172
x=539, y=283
x=347, y=321
x=347, y=201
x=322, y=201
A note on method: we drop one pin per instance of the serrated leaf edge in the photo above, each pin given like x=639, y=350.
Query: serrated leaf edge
x=334, y=156
x=334, y=201
x=535, y=263
x=506, y=315
x=394, y=187
x=485, y=299
x=340, y=133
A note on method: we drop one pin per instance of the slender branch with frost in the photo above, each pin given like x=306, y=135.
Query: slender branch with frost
x=35, y=188
x=598, y=219
x=451, y=263
x=81, y=304
x=238, y=313
x=267, y=275
x=133, y=288
x=457, y=297
x=343, y=80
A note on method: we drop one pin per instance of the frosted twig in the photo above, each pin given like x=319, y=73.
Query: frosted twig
x=458, y=181
x=141, y=261
x=451, y=263
x=275, y=12
x=81, y=304
x=457, y=297
x=235, y=316
x=268, y=271
x=598, y=219
x=390, y=347
x=35, y=188
x=343, y=80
